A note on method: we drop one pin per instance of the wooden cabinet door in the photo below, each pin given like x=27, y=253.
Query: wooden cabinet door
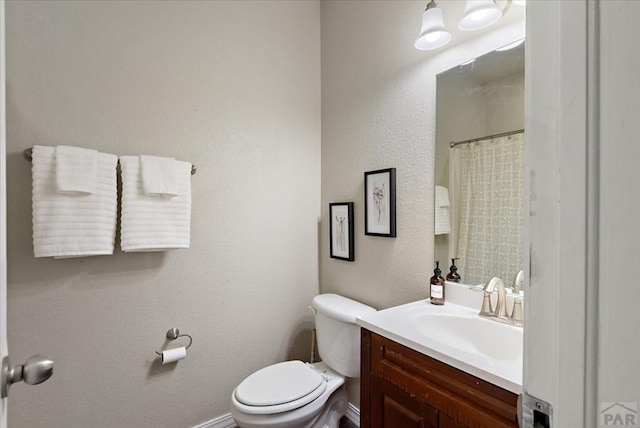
x=393, y=408
x=447, y=422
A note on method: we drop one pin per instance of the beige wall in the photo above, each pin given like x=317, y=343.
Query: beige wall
x=378, y=111
x=375, y=115
x=233, y=87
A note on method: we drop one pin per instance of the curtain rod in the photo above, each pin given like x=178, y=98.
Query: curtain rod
x=28, y=155
x=488, y=137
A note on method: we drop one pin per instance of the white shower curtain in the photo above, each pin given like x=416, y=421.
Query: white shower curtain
x=488, y=208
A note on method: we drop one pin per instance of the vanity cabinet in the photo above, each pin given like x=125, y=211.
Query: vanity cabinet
x=392, y=407
x=402, y=388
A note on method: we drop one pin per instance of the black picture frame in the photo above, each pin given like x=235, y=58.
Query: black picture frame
x=341, y=231
x=380, y=203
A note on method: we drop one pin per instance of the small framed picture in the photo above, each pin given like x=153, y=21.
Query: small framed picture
x=341, y=231
x=380, y=203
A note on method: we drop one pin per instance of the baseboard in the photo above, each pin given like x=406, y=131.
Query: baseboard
x=226, y=421
x=353, y=414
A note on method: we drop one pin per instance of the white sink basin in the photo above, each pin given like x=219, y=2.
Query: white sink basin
x=473, y=334
x=455, y=335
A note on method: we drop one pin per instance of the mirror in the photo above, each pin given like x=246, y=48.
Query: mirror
x=479, y=167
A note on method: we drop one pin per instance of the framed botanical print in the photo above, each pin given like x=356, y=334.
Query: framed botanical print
x=341, y=233
x=380, y=203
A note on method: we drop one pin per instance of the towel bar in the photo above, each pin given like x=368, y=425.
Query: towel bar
x=29, y=152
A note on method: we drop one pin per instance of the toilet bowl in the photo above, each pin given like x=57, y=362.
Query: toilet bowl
x=294, y=394
x=300, y=396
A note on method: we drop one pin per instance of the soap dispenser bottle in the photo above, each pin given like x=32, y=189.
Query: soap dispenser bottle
x=453, y=275
x=436, y=292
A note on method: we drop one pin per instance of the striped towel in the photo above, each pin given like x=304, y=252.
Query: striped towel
x=442, y=216
x=153, y=223
x=73, y=225
x=159, y=176
x=442, y=197
x=75, y=169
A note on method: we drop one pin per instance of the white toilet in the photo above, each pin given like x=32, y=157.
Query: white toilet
x=294, y=394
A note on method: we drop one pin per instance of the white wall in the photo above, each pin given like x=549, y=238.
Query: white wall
x=233, y=87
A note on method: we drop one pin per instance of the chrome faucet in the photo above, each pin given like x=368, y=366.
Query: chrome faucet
x=487, y=307
x=517, y=315
x=518, y=282
x=500, y=311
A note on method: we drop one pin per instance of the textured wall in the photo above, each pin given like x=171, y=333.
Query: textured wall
x=233, y=87
x=378, y=111
x=376, y=114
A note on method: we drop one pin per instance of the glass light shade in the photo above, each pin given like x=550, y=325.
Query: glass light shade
x=479, y=14
x=433, y=34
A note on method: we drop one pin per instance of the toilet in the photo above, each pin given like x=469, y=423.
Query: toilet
x=294, y=394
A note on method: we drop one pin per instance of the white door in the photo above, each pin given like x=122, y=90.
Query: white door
x=3, y=211
x=36, y=369
x=557, y=365
x=582, y=340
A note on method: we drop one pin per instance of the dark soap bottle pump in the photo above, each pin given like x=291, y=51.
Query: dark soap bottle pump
x=436, y=292
x=453, y=275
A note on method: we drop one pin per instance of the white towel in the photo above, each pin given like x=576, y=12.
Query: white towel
x=159, y=176
x=67, y=225
x=75, y=169
x=149, y=223
x=442, y=222
x=442, y=196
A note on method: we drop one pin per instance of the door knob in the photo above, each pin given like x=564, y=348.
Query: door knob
x=35, y=370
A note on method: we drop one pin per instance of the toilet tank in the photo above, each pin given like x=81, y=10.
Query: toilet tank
x=337, y=333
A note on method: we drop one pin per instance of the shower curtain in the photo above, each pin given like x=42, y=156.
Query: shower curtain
x=487, y=203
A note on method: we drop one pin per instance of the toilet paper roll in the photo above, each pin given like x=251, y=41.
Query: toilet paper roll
x=173, y=355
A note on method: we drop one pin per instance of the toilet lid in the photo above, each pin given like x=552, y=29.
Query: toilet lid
x=278, y=384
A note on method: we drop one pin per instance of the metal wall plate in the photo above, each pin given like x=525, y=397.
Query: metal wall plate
x=534, y=412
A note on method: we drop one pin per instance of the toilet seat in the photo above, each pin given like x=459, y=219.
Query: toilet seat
x=279, y=388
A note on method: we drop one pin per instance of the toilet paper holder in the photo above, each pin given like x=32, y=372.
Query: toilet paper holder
x=173, y=334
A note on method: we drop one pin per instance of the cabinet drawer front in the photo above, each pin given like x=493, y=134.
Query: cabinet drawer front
x=465, y=399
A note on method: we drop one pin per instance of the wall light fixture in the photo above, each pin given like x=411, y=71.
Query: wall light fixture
x=433, y=33
x=478, y=14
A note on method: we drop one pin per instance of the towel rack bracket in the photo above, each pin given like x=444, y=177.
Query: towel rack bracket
x=28, y=155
